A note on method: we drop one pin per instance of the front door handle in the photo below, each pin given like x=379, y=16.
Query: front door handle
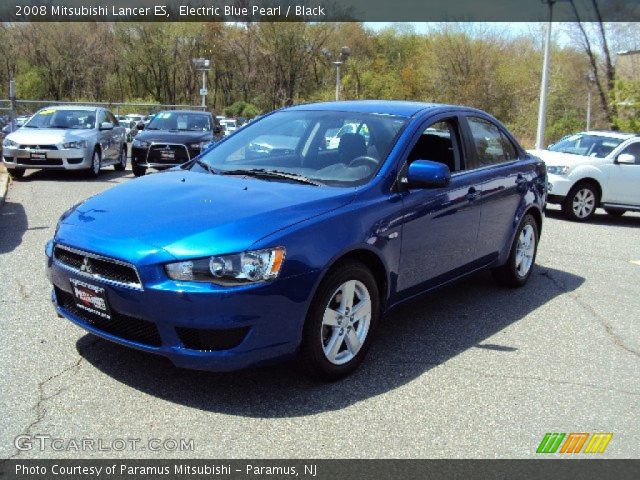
x=472, y=194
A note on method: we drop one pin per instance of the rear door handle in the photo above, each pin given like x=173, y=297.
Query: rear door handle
x=472, y=194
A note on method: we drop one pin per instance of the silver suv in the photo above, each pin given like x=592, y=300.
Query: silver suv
x=67, y=137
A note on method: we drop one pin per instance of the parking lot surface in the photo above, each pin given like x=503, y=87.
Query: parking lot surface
x=473, y=370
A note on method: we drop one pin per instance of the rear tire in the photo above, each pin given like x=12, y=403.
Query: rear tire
x=581, y=202
x=615, y=212
x=139, y=171
x=96, y=164
x=341, y=322
x=522, y=256
x=16, y=172
x=121, y=166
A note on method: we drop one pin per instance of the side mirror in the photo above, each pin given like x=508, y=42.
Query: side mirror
x=106, y=126
x=427, y=174
x=626, y=158
x=140, y=126
x=550, y=145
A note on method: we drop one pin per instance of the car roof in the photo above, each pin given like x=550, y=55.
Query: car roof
x=183, y=111
x=72, y=107
x=604, y=133
x=383, y=107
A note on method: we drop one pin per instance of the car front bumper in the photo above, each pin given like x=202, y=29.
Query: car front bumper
x=61, y=159
x=264, y=319
x=558, y=186
x=140, y=157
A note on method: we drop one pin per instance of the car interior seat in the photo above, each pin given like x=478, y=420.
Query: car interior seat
x=434, y=148
x=351, y=146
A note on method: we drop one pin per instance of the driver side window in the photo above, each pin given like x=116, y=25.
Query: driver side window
x=633, y=149
x=438, y=143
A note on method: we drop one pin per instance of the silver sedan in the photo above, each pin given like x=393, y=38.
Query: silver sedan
x=69, y=138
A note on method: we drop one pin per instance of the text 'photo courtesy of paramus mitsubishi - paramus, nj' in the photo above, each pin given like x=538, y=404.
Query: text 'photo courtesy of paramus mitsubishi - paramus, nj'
x=294, y=235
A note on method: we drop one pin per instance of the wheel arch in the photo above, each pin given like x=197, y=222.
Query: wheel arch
x=372, y=260
x=592, y=181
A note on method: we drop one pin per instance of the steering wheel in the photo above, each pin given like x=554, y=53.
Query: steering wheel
x=364, y=160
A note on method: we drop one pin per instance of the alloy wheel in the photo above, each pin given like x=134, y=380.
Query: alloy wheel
x=95, y=163
x=346, y=321
x=525, y=250
x=584, y=202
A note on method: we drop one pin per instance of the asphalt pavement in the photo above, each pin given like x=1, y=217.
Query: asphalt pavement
x=473, y=370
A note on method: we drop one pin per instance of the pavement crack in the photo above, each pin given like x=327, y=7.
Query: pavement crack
x=39, y=408
x=589, y=309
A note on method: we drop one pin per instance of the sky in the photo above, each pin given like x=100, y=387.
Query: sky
x=513, y=28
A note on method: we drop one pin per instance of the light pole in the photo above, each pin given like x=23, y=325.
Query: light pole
x=542, y=111
x=342, y=57
x=591, y=79
x=203, y=65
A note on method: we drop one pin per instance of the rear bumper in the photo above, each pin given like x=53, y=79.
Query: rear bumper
x=67, y=159
x=270, y=316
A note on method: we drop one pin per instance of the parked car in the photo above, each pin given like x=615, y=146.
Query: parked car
x=594, y=169
x=66, y=137
x=18, y=123
x=237, y=258
x=171, y=138
x=230, y=125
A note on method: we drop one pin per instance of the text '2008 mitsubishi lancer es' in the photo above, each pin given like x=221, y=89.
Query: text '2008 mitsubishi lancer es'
x=277, y=242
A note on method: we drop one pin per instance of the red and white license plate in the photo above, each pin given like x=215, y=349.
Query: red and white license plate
x=38, y=156
x=91, y=298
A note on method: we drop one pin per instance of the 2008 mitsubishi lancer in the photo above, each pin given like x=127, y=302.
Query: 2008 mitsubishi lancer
x=278, y=241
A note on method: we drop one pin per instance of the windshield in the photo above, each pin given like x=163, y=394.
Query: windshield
x=182, y=121
x=63, y=118
x=299, y=143
x=587, y=145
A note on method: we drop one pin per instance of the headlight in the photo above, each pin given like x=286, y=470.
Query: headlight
x=76, y=144
x=558, y=170
x=246, y=267
x=140, y=144
x=8, y=143
x=199, y=145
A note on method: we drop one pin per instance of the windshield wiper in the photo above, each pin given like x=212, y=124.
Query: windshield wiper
x=263, y=173
x=206, y=166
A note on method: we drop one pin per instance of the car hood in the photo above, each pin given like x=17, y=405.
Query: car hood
x=190, y=215
x=169, y=136
x=561, y=159
x=48, y=136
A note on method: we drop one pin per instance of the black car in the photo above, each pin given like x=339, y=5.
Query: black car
x=171, y=138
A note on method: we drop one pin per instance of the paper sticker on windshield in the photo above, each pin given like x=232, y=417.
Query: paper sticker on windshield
x=48, y=111
x=165, y=115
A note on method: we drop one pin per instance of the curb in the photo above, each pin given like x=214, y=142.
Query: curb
x=4, y=186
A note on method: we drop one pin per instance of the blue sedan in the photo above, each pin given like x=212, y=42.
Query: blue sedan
x=247, y=255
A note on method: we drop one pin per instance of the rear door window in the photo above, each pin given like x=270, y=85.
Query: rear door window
x=491, y=146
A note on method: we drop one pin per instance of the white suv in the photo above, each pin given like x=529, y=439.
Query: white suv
x=594, y=169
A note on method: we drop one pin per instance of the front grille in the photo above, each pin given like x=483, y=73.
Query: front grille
x=120, y=325
x=211, y=339
x=38, y=147
x=180, y=154
x=97, y=266
x=51, y=162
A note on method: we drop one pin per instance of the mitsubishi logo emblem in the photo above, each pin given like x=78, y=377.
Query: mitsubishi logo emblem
x=86, y=266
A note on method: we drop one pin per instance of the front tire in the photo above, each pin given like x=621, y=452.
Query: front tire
x=16, y=172
x=139, y=171
x=121, y=166
x=522, y=256
x=96, y=164
x=581, y=202
x=340, y=322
